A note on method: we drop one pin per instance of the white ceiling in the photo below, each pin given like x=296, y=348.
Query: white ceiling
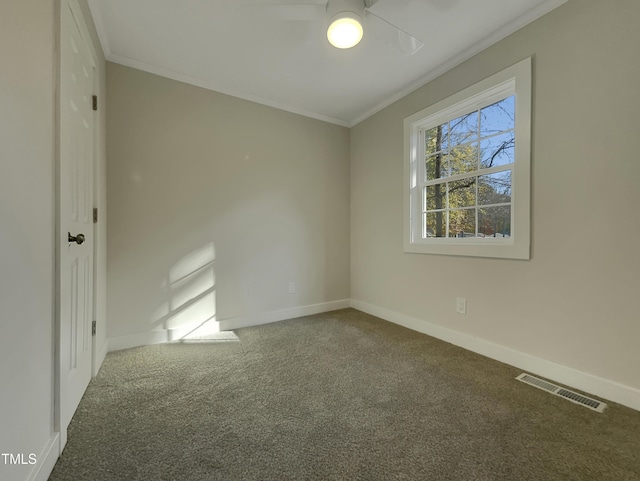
x=236, y=47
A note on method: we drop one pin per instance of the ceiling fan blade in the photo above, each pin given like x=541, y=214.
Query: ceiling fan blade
x=392, y=35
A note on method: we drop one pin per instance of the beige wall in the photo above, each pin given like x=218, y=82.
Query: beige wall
x=193, y=175
x=28, y=32
x=26, y=230
x=573, y=303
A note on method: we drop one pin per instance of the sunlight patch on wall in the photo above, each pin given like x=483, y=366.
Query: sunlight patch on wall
x=188, y=309
x=192, y=287
x=192, y=262
x=196, y=312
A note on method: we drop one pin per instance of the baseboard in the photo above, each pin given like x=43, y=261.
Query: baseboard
x=102, y=353
x=46, y=460
x=159, y=337
x=283, y=314
x=135, y=340
x=582, y=381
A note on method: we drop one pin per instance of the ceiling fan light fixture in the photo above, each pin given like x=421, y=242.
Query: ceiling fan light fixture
x=345, y=30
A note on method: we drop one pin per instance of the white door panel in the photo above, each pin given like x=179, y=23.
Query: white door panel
x=76, y=213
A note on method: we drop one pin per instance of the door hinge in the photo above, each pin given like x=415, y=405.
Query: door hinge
x=95, y=102
x=95, y=215
x=93, y=328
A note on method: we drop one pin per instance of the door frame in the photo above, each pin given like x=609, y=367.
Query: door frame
x=97, y=160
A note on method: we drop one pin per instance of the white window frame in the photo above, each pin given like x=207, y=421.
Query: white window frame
x=515, y=80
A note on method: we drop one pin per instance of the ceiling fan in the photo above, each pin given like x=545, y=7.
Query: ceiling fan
x=347, y=22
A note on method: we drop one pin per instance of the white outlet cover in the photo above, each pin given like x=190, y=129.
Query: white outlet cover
x=461, y=305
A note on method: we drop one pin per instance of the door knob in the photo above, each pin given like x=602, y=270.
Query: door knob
x=78, y=239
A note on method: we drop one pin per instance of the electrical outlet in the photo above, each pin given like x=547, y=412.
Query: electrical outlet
x=461, y=305
x=292, y=287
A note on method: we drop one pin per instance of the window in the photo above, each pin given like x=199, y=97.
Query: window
x=468, y=168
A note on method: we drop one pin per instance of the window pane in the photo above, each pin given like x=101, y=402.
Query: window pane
x=494, y=188
x=445, y=135
x=462, y=193
x=498, y=150
x=434, y=138
x=463, y=159
x=494, y=221
x=498, y=117
x=436, y=166
x=435, y=197
x=462, y=223
x=463, y=129
x=436, y=224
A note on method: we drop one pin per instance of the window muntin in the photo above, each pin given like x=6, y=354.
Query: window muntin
x=468, y=162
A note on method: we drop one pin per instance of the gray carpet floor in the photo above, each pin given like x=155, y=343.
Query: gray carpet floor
x=335, y=396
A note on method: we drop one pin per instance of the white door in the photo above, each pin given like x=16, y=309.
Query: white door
x=75, y=214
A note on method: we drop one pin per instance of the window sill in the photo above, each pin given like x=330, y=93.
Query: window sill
x=502, y=249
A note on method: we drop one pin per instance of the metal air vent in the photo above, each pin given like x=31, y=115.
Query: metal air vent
x=572, y=396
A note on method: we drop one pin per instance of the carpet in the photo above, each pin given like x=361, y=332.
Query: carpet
x=335, y=396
